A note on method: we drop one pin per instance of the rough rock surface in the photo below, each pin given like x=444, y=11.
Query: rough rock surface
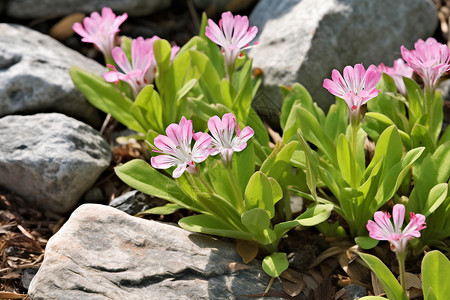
x=34, y=72
x=223, y=5
x=50, y=159
x=27, y=9
x=134, y=202
x=303, y=40
x=103, y=253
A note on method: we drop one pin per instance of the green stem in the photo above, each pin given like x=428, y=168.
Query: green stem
x=206, y=184
x=353, y=162
x=428, y=106
x=239, y=201
x=401, y=255
x=230, y=72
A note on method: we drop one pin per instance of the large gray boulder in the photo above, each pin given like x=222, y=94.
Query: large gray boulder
x=103, y=253
x=303, y=40
x=50, y=159
x=34, y=75
x=28, y=9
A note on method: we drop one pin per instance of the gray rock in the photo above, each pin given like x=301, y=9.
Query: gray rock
x=34, y=72
x=355, y=291
x=27, y=9
x=134, y=202
x=27, y=276
x=303, y=40
x=223, y=5
x=103, y=253
x=50, y=159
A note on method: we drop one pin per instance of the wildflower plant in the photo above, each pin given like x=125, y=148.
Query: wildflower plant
x=211, y=151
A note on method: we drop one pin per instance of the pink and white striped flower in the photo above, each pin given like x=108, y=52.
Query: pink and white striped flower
x=356, y=87
x=399, y=70
x=224, y=140
x=233, y=34
x=430, y=60
x=383, y=230
x=142, y=69
x=176, y=147
x=101, y=30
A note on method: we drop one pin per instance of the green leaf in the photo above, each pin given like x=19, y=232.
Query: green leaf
x=437, y=116
x=388, y=282
x=275, y=264
x=366, y=242
x=243, y=100
x=383, y=122
x=209, y=79
x=314, y=215
x=394, y=177
x=167, y=209
x=312, y=131
x=105, y=97
x=277, y=192
x=244, y=165
x=372, y=298
x=258, y=193
x=212, y=225
x=257, y=221
x=421, y=137
x=344, y=157
x=296, y=95
x=435, y=198
x=414, y=95
x=141, y=176
x=389, y=146
x=312, y=164
x=435, y=275
x=261, y=134
x=336, y=121
x=147, y=108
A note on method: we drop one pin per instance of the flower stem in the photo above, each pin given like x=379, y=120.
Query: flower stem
x=353, y=162
x=401, y=264
x=206, y=184
x=428, y=106
x=239, y=201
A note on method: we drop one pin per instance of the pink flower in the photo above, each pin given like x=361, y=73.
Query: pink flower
x=223, y=131
x=142, y=69
x=383, y=230
x=176, y=147
x=233, y=34
x=356, y=87
x=397, y=72
x=429, y=59
x=100, y=30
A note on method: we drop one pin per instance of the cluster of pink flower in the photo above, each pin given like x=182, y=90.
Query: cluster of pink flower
x=226, y=139
x=101, y=30
x=430, y=60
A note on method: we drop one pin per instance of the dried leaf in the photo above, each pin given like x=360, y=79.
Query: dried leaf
x=234, y=266
x=292, y=276
x=376, y=286
x=8, y=295
x=413, y=281
x=63, y=29
x=332, y=251
x=247, y=250
x=293, y=288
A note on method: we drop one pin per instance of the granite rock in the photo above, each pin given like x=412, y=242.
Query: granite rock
x=104, y=253
x=50, y=159
x=303, y=40
x=27, y=9
x=34, y=72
